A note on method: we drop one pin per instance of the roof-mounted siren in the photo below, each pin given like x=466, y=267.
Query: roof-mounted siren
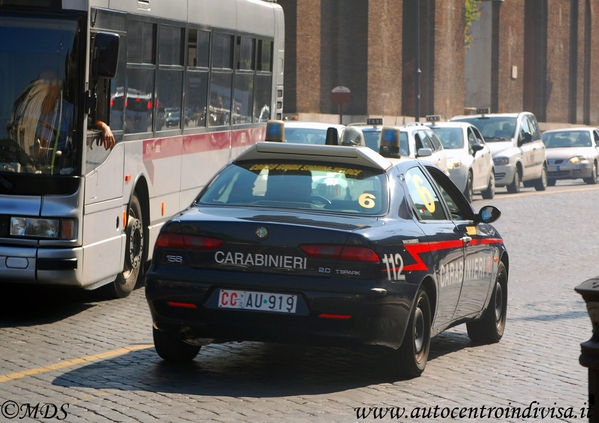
x=433, y=118
x=374, y=121
x=352, y=137
x=332, y=136
x=275, y=131
x=390, y=138
x=482, y=111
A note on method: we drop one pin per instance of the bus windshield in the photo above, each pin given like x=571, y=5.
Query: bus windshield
x=39, y=95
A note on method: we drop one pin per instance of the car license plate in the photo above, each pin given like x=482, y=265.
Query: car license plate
x=261, y=301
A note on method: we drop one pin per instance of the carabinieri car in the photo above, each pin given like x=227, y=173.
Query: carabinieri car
x=327, y=245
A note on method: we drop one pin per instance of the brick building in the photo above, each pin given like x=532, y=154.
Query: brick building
x=534, y=55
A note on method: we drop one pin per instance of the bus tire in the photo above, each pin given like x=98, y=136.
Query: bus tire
x=135, y=251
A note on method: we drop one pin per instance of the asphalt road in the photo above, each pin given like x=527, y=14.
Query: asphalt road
x=79, y=356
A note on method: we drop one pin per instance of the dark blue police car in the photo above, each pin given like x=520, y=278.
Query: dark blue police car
x=327, y=245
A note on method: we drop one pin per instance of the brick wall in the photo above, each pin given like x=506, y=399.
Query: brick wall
x=449, y=66
x=384, y=57
x=511, y=53
x=308, y=42
x=558, y=46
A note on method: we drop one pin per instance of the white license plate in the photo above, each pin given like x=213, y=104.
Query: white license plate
x=261, y=301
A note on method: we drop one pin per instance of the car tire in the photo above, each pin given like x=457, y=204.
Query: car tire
x=171, y=348
x=411, y=357
x=592, y=180
x=551, y=182
x=135, y=251
x=468, y=191
x=541, y=183
x=490, y=326
x=489, y=193
x=514, y=186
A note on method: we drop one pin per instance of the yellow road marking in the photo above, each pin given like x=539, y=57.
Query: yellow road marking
x=74, y=362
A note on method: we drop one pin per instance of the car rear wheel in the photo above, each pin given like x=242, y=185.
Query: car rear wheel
x=515, y=185
x=410, y=360
x=490, y=327
x=468, y=192
x=489, y=193
x=171, y=348
x=593, y=178
x=541, y=183
x=135, y=254
x=551, y=182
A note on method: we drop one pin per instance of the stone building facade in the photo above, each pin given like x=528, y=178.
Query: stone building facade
x=535, y=55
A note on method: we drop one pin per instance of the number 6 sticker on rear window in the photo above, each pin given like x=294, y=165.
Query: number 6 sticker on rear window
x=367, y=200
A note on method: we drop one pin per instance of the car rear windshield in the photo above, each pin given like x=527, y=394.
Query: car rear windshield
x=566, y=139
x=494, y=128
x=299, y=185
x=306, y=135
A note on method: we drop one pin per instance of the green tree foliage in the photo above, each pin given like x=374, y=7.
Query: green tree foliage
x=471, y=14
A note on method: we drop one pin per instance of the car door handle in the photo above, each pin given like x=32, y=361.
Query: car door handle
x=466, y=239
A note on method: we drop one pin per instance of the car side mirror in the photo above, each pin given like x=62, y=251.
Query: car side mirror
x=106, y=54
x=476, y=148
x=424, y=152
x=487, y=214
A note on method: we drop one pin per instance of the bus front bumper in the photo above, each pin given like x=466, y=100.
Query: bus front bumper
x=41, y=265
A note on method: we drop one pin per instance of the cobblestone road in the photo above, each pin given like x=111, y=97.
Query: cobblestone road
x=93, y=357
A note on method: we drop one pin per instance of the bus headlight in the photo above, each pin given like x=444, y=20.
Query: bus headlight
x=34, y=227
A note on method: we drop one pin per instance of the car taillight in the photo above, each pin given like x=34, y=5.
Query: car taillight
x=187, y=242
x=340, y=252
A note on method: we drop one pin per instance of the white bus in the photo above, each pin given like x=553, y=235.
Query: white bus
x=194, y=83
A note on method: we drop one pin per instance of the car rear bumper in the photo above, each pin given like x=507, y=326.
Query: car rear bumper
x=323, y=316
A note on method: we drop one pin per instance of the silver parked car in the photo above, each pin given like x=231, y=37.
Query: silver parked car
x=572, y=153
x=468, y=158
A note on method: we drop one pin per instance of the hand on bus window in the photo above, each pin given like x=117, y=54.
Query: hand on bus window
x=107, y=138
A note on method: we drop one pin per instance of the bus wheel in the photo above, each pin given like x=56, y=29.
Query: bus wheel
x=135, y=255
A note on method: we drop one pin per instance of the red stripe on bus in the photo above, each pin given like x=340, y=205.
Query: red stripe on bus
x=161, y=148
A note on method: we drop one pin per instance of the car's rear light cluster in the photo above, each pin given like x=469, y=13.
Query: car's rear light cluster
x=187, y=242
x=340, y=252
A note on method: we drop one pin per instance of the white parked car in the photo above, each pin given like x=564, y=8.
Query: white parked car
x=468, y=158
x=416, y=141
x=515, y=143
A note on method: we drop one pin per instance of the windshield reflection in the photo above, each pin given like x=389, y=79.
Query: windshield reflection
x=39, y=79
x=496, y=128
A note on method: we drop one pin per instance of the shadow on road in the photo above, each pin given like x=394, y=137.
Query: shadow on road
x=249, y=369
x=29, y=305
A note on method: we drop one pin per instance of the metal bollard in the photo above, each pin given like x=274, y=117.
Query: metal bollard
x=589, y=356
